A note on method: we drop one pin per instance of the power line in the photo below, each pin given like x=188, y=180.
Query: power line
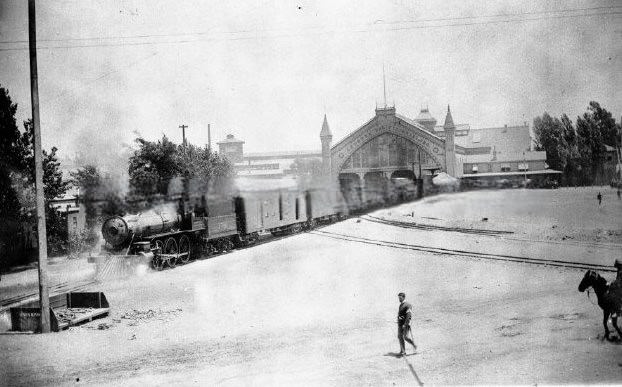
x=317, y=33
x=311, y=28
x=104, y=75
x=503, y=15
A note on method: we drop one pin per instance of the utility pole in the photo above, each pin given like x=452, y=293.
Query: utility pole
x=183, y=133
x=525, y=168
x=44, y=296
x=420, y=180
x=209, y=138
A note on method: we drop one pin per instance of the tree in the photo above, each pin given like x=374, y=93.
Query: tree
x=571, y=152
x=595, y=130
x=204, y=171
x=156, y=167
x=153, y=166
x=17, y=174
x=53, y=184
x=578, y=151
x=9, y=157
x=93, y=190
x=88, y=179
x=549, y=137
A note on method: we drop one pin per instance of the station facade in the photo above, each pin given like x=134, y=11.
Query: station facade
x=388, y=146
x=391, y=146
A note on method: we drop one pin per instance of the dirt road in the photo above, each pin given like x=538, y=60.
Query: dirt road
x=311, y=310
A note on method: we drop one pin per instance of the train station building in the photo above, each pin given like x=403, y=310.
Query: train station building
x=390, y=146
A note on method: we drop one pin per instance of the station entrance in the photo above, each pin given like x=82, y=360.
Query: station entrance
x=381, y=161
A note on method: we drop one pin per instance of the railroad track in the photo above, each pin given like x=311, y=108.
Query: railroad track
x=466, y=253
x=63, y=287
x=371, y=218
x=502, y=234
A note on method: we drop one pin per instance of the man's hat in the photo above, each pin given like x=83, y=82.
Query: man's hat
x=402, y=294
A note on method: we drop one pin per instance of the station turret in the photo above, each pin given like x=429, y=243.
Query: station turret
x=450, y=149
x=426, y=120
x=326, y=136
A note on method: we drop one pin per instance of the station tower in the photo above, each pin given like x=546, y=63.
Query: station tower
x=326, y=136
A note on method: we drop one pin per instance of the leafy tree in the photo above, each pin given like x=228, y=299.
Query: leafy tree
x=93, y=190
x=153, y=166
x=9, y=157
x=204, y=171
x=595, y=129
x=549, y=137
x=167, y=169
x=88, y=179
x=570, y=152
x=569, y=132
x=17, y=174
x=53, y=184
x=578, y=151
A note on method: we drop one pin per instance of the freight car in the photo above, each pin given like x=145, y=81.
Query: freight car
x=210, y=224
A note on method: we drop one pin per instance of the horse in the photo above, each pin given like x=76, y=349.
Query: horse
x=609, y=298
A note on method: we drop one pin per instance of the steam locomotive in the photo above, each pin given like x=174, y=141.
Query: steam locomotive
x=209, y=224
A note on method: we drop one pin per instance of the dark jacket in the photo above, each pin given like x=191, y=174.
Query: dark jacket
x=404, y=313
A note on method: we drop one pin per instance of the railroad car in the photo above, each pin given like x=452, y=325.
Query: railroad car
x=210, y=224
x=324, y=205
x=276, y=211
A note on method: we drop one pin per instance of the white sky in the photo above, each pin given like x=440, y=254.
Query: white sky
x=268, y=70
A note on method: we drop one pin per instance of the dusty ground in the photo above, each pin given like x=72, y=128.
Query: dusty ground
x=314, y=310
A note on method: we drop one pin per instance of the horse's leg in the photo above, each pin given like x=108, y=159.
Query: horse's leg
x=614, y=321
x=605, y=318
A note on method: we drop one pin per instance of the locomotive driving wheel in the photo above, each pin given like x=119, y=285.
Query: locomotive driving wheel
x=157, y=262
x=170, y=247
x=184, y=249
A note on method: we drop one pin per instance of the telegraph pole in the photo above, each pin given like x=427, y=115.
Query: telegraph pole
x=44, y=296
x=525, y=168
x=209, y=138
x=183, y=133
x=420, y=181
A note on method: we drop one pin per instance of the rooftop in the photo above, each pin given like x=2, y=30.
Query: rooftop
x=282, y=154
x=504, y=157
x=425, y=115
x=230, y=139
x=504, y=139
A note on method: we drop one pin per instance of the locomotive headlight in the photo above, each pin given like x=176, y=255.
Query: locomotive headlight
x=115, y=231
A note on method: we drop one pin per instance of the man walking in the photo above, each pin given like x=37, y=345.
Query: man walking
x=599, y=197
x=404, y=315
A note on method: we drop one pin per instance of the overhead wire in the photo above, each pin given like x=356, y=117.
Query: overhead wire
x=255, y=37
x=315, y=27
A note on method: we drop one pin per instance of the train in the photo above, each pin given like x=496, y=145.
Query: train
x=206, y=224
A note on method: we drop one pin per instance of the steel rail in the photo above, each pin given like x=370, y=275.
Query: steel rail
x=466, y=253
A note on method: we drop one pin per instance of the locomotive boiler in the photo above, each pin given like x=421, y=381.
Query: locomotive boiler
x=120, y=231
x=173, y=233
x=209, y=224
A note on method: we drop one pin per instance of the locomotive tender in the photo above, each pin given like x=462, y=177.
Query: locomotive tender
x=212, y=224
